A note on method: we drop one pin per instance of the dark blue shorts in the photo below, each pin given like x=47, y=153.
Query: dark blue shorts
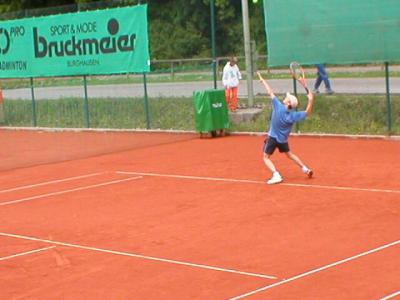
x=270, y=144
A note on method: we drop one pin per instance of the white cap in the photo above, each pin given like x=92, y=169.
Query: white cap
x=292, y=100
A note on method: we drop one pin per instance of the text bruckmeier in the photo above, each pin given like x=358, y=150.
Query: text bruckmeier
x=86, y=46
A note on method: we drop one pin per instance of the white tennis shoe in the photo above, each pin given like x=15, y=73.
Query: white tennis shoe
x=276, y=178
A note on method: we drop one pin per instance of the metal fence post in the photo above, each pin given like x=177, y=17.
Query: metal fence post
x=247, y=51
x=87, y=119
x=213, y=51
x=34, y=118
x=146, y=102
x=388, y=100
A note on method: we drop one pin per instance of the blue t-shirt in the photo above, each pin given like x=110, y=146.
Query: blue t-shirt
x=282, y=120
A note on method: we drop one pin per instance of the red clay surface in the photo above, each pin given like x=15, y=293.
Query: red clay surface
x=158, y=237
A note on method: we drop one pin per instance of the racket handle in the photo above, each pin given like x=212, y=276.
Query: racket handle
x=307, y=90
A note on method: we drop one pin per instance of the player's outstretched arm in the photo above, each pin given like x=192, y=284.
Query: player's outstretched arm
x=310, y=103
x=303, y=82
x=267, y=87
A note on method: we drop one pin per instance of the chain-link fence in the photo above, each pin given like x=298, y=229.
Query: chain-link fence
x=162, y=99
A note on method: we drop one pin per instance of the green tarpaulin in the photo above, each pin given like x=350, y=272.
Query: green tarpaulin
x=211, y=112
x=332, y=31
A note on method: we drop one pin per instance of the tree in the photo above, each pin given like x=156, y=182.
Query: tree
x=179, y=28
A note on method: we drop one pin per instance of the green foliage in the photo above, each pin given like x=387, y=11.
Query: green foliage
x=365, y=114
x=179, y=29
x=176, y=41
x=9, y=6
x=339, y=114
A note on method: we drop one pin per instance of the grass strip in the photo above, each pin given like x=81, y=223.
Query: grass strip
x=338, y=114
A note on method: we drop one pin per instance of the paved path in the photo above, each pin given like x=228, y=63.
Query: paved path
x=185, y=89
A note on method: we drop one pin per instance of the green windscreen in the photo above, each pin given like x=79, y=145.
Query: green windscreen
x=332, y=31
x=110, y=41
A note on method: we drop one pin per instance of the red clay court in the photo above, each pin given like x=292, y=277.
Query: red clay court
x=122, y=215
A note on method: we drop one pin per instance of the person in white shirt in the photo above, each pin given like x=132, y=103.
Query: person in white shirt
x=230, y=80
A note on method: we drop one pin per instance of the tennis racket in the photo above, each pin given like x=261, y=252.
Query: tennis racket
x=298, y=74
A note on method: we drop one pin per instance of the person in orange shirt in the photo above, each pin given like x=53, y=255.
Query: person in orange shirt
x=230, y=79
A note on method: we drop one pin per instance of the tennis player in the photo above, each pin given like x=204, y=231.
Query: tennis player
x=283, y=118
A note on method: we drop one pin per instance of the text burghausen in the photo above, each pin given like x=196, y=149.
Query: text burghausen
x=87, y=46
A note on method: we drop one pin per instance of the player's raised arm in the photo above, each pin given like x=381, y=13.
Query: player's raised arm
x=267, y=87
x=310, y=103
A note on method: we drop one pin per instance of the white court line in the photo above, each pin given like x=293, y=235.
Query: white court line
x=48, y=182
x=315, y=270
x=68, y=191
x=262, y=182
x=26, y=253
x=177, y=262
x=190, y=177
x=390, y=296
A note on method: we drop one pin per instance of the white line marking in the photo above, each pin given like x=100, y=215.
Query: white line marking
x=316, y=270
x=190, y=177
x=262, y=182
x=69, y=191
x=390, y=296
x=26, y=253
x=344, y=188
x=48, y=182
x=137, y=256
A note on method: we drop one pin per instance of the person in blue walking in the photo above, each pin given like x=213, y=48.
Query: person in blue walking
x=322, y=76
x=283, y=118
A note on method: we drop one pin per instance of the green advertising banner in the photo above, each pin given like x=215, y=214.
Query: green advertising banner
x=335, y=32
x=107, y=41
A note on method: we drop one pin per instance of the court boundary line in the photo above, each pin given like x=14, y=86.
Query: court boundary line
x=26, y=253
x=343, y=188
x=145, y=257
x=316, y=270
x=177, y=131
x=49, y=182
x=68, y=191
x=390, y=296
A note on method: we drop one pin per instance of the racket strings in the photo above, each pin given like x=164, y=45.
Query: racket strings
x=297, y=73
x=296, y=70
